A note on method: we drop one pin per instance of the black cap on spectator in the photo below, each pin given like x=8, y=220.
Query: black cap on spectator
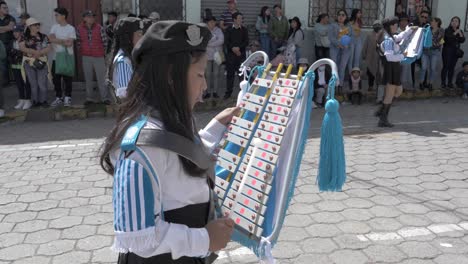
x=113, y=13
x=388, y=21
x=168, y=37
x=129, y=25
x=61, y=11
x=88, y=13
x=404, y=16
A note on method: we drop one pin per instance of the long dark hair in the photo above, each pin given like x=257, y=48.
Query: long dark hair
x=386, y=24
x=27, y=34
x=459, y=21
x=354, y=17
x=159, y=83
x=264, y=17
x=293, y=31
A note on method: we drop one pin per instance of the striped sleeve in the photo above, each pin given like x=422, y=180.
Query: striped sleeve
x=133, y=201
x=123, y=73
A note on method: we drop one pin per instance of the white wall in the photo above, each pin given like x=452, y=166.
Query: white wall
x=193, y=11
x=43, y=11
x=299, y=8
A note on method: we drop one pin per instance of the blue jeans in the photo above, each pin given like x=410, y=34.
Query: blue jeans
x=298, y=54
x=356, y=50
x=341, y=58
x=429, y=59
x=265, y=42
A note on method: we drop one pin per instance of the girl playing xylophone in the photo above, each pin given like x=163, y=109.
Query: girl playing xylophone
x=392, y=56
x=163, y=172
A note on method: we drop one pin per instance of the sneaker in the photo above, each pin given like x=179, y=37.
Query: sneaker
x=67, y=102
x=57, y=102
x=27, y=104
x=2, y=113
x=20, y=104
x=215, y=95
x=465, y=96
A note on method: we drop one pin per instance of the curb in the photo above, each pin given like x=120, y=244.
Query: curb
x=79, y=112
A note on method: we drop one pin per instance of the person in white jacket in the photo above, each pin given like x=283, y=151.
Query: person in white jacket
x=215, y=54
x=392, y=56
x=162, y=192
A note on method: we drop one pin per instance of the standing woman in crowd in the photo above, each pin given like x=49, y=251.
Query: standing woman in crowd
x=322, y=42
x=35, y=47
x=215, y=48
x=296, y=37
x=392, y=56
x=452, y=40
x=431, y=56
x=371, y=56
x=340, y=35
x=262, y=27
x=163, y=190
x=356, y=43
x=16, y=61
x=128, y=32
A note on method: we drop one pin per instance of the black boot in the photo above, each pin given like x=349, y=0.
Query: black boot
x=378, y=113
x=383, y=122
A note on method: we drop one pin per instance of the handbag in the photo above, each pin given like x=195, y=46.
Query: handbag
x=219, y=57
x=39, y=64
x=65, y=63
x=459, y=53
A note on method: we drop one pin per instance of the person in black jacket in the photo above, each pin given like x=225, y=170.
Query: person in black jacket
x=453, y=38
x=236, y=40
x=462, y=80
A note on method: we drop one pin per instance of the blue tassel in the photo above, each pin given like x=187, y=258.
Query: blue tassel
x=332, y=166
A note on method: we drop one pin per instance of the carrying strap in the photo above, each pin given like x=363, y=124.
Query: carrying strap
x=175, y=143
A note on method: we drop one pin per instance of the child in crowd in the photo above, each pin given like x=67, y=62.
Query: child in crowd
x=355, y=86
x=322, y=76
x=462, y=80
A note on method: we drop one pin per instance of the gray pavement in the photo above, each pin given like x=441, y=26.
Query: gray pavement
x=405, y=199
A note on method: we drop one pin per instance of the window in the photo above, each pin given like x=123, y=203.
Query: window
x=119, y=6
x=413, y=7
x=371, y=9
x=168, y=10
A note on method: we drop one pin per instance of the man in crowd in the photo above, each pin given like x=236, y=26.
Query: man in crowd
x=278, y=28
x=110, y=24
x=226, y=20
x=236, y=40
x=92, y=42
x=62, y=35
x=7, y=23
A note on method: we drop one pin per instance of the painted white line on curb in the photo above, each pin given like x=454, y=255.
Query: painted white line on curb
x=413, y=232
x=45, y=147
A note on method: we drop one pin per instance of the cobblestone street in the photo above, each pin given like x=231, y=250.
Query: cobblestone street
x=405, y=199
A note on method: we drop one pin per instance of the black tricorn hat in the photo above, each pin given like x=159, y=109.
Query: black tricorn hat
x=168, y=37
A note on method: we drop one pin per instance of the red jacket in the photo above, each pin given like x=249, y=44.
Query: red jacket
x=93, y=47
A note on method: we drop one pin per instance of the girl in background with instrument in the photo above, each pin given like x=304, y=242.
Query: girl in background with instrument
x=340, y=35
x=35, y=47
x=162, y=172
x=392, y=56
x=127, y=33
